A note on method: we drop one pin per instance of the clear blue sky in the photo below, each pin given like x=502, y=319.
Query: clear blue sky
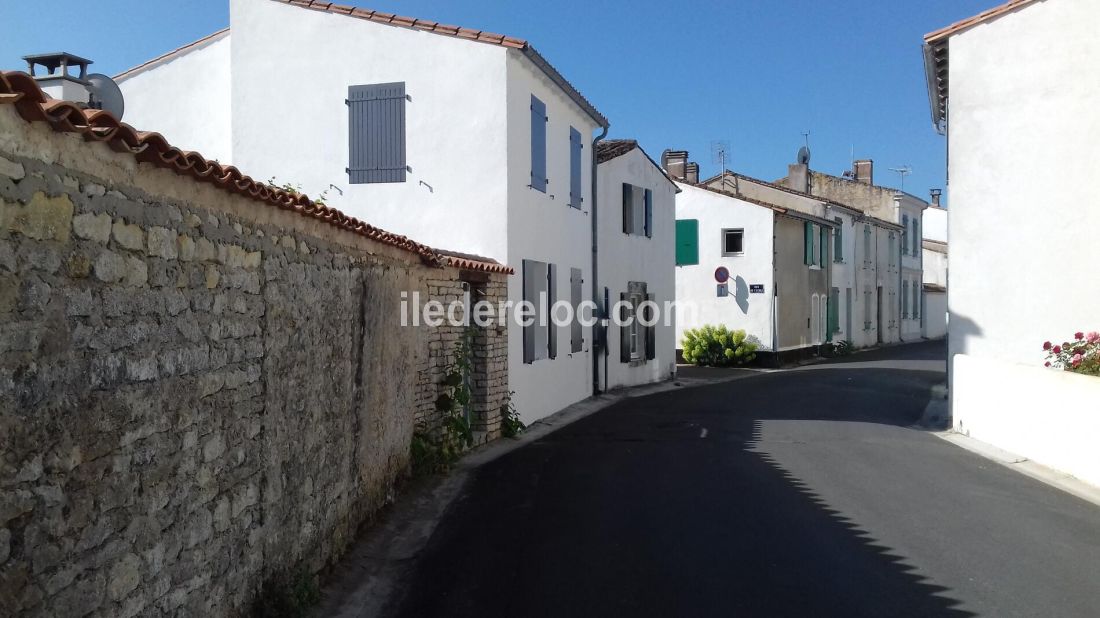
x=672, y=75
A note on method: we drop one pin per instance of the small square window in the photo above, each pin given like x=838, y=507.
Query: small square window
x=733, y=242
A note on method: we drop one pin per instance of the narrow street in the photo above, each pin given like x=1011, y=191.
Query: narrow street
x=798, y=493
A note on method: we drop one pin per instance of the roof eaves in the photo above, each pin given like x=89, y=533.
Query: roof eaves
x=980, y=18
x=194, y=45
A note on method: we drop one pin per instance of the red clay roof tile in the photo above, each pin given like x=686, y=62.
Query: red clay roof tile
x=20, y=90
x=984, y=16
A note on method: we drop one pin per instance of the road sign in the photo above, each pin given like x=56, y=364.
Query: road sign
x=721, y=274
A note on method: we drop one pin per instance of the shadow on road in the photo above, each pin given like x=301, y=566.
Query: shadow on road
x=667, y=505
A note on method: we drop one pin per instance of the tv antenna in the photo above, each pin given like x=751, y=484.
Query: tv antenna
x=720, y=153
x=902, y=171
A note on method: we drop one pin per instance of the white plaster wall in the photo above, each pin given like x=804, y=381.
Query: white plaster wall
x=1016, y=112
x=911, y=262
x=1030, y=411
x=291, y=72
x=935, y=224
x=844, y=276
x=935, y=315
x=629, y=257
x=695, y=285
x=542, y=226
x=186, y=98
x=888, y=278
x=935, y=267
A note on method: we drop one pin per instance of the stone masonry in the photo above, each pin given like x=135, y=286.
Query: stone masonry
x=197, y=390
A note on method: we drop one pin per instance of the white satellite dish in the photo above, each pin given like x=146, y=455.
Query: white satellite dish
x=106, y=95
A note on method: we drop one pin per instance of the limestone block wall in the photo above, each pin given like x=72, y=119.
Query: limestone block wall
x=197, y=390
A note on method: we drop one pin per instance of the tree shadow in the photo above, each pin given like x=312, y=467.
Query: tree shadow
x=638, y=511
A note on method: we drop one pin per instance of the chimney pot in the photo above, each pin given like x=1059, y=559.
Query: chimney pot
x=691, y=173
x=936, y=193
x=798, y=177
x=864, y=171
x=675, y=163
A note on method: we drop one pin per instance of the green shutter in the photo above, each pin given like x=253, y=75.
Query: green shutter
x=834, y=312
x=687, y=242
x=808, y=249
x=824, y=249
x=838, y=241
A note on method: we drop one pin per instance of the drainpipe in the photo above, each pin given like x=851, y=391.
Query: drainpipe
x=595, y=268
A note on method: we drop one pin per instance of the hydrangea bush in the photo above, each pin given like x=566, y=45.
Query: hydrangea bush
x=1082, y=355
x=717, y=346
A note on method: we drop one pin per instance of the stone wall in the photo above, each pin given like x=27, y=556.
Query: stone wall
x=197, y=390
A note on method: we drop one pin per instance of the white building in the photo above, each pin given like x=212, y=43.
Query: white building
x=635, y=262
x=777, y=262
x=1014, y=91
x=457, y=137
x=865, y=266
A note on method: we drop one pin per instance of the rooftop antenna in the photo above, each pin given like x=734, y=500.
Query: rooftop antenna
x=806, y=136
x=902, y=171
x=720, y=154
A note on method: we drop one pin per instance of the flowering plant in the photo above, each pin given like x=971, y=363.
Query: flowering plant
x=1082, y=355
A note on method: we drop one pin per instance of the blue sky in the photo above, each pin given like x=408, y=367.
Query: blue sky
x=756, y=74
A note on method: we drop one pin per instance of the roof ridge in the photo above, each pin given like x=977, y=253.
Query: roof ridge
x=974, y=20
x=167, y=55
x=22, y=91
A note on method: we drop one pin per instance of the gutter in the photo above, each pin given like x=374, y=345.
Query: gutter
x=595, y=267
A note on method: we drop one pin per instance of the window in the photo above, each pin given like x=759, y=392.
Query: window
x=637, y=210
x=637, y=340
x=905, y=300
x=376, y=133
x=538, y=144
x=733, y=242
x=687, y=242
x=838, y=241
x=539, y=340
x=575, y=147
x=866, y=245
x=576, y=295
x=904, y=235
x=809, y=251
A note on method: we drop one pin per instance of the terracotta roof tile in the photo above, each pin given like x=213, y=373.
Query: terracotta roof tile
x=427, y=25
x=984, y=16
x=609, y=149
x=20, y=90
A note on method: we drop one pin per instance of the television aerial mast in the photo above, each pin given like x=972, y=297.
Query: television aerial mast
x=902, y=171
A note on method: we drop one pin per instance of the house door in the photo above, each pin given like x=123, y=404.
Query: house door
x=848, y=314
x=878, y=308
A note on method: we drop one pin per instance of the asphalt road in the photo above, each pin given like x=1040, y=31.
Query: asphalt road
x=801, y=493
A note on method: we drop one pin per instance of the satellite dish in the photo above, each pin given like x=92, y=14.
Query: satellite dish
x=804, y=155
x=106, y=95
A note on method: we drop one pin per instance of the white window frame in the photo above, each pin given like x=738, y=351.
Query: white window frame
x=738, y=230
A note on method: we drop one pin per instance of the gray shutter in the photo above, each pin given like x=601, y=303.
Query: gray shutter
x=650, y=334
x=376, y=133
x=576, y=294
x=648, y=213
x=808, y=243
x=905, y=234
x=624, y=332
x=628, y=208
x=575, y=146
x=538, y=144
x=528, y=292
x=551, y=293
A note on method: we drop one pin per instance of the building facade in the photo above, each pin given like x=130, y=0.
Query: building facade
x=636, y=263
x=1010, y=111
x=487, y=139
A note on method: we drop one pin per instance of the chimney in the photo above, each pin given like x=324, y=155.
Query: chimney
x=798, y=177
x=66, y=76
x=675, y=163
x=864, y=171
x=691, y=173
x=936, y=193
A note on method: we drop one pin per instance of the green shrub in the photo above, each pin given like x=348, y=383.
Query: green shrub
x=717, y=346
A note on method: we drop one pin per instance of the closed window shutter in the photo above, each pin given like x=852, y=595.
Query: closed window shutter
x=628, y=208
x=551, y=295
x=650, y=333
x=528, y=292
x=624, y=330
x=866, y=244
x=838, y=241
x=648, y=213
x=824, y=246
x=575, y=145
x=905, y=234
x=576, y=294
x=905, y=299
x=834, y=312
x=538, y=144
x=687, y=242
x=808, y=249
x=916, y=237
x=376, y=133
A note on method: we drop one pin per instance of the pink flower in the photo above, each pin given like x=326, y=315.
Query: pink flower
x=1046, y=345
x=1047, y=364
x=1079, y=335
x=1057, y=349
x=1093, y=337
x=1076, y=360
